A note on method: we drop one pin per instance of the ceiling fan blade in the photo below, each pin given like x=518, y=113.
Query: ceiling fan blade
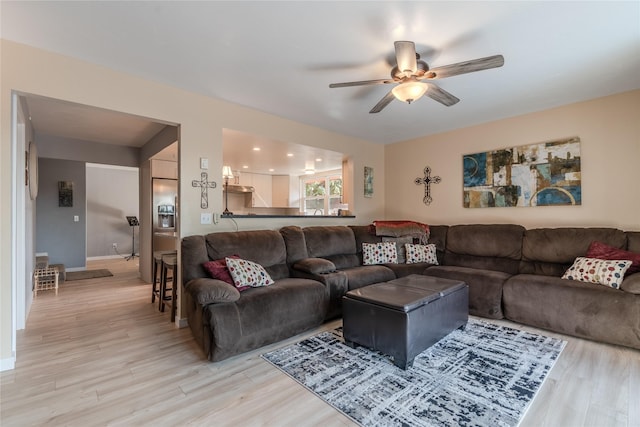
x=383, y=103
x=362, y=83
x=442, y=96
x=406, y=56
x=465, y=67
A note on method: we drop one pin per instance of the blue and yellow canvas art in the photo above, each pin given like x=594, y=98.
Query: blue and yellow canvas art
x=542, y=174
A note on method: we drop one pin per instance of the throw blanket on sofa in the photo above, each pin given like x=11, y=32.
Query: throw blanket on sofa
x=414, y=229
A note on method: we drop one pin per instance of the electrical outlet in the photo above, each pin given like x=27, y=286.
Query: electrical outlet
x=205, y=218
x=115, y=246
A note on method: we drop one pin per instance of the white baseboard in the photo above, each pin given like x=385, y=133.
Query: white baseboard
x=98, y=258
x=181, y=323
x=7, y=364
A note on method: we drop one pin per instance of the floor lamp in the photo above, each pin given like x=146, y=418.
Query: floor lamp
x=226, y=174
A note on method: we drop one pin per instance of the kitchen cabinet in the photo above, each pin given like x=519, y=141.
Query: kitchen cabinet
x=262, y=196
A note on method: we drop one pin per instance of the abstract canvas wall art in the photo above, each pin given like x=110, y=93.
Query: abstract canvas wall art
x=542, y=174
x=368, y=181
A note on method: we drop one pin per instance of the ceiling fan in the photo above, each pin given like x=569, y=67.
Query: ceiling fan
x=411, y=71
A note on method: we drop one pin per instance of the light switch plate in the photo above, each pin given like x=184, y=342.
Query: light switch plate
x=76, y=218
x=205, y=218
x=204, y=163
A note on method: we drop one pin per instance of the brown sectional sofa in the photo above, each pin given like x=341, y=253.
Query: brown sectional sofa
x=512, y=273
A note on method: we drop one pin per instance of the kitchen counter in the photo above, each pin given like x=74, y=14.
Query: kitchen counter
x=286, y=216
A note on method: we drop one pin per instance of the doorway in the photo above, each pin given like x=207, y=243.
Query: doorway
x=66, y=131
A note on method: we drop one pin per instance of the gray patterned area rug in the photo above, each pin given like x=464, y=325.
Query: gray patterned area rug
x=486, y=375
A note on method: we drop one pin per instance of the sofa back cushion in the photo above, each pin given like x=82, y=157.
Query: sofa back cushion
x=438, y=236
x=496, y=247
x=265, y=247
x=335, y=243
x=295, y=244
x=193, y=252
x=550, y=251
x=633, y=241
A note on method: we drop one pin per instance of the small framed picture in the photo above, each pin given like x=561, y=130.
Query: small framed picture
x=368, y=181
x=65, y=194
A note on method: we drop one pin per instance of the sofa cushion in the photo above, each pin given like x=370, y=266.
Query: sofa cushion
x=400, y=242
x=295, y=243
x=495, y=247
x=421, y=253
x=264, y=247
x=365, y=275
x=603, y=251
x=438, y=236
x=379, y=253
x=631, y=284
x=401, y=270
x=343, y=261
x=324, y=241
x=580, y=309
x=208, y=291
x=315, y=266
x=633, y=241
x=550, y=251
x=603, y=272
x=265, y=315
x=485, y=287
x=193, y=256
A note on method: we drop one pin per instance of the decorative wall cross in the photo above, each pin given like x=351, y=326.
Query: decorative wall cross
x=204, y=186
x=427, y=181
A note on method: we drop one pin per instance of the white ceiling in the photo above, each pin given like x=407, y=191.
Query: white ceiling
x=280, y=57
x=256, y=154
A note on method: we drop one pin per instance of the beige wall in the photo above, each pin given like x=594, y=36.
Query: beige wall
x=202, y=119
x=609, y=130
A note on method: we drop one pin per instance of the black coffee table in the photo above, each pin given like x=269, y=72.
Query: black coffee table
x=405, y=316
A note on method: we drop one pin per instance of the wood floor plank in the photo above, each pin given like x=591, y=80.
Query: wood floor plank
x=100, y=353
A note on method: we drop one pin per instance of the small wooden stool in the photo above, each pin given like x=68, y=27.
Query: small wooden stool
x=157, y=272
x=169, y=263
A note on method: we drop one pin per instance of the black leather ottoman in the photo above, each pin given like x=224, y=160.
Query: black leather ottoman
x=405, y=316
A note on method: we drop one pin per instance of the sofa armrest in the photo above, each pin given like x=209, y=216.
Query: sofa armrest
x=631, y=284
x=315, y=266
x=207, y=291
x=336, y=285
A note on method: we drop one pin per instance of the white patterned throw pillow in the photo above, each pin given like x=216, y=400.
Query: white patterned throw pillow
x=603, y=272
x=247, y=273
x=379, y=253
x=421, y=253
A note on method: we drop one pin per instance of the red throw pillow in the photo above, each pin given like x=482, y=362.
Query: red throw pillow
x=217, y=269
x=603, y=251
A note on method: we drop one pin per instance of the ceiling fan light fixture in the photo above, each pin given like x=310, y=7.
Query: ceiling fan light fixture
x=409, y=91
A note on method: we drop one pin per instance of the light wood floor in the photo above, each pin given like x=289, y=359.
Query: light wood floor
x=101, y=354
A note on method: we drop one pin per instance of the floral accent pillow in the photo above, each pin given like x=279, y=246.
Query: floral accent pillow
x=421, y=253
x=379, y=253
x=603, y=272
x=247, y=273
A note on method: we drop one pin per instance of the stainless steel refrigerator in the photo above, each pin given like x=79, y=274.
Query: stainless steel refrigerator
x=165, y=193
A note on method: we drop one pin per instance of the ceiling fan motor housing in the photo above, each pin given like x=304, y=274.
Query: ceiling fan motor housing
x=397, y=74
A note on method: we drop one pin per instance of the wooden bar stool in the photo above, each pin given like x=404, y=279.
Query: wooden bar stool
x=169, y=263
x=157, y=273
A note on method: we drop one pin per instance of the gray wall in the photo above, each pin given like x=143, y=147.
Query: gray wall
x=56, y=232
x=112, y=194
